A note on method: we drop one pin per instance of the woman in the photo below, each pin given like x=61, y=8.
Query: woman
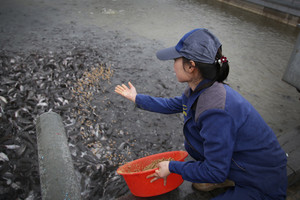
x=230, y=142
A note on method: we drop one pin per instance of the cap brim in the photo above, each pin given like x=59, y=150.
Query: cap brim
x=168, y=54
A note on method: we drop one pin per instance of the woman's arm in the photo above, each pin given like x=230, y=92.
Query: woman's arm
x=146, y=102
x=218, y=132
x=158, y=104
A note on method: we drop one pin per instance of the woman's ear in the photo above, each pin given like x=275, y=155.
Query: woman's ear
x=191, y=66
x=192, y=63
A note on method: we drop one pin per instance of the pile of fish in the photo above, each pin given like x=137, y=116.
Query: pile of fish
x=64, y=83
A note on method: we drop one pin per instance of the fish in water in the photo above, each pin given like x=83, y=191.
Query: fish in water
x=66, y=83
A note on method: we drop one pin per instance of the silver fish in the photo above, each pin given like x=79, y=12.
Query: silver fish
x=3, y=157
x=3, y=99
x=12, y=146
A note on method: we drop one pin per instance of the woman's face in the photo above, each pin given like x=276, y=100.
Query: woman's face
x=181, y=73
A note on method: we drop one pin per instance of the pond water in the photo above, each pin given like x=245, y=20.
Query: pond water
x=258, y=48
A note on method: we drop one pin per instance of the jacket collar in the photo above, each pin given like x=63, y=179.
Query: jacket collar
x=192, y=96
x=189, y=92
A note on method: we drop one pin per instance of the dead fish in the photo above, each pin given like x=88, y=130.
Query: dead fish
x=31, y=196
x=21, y=150
x=66, y=61
x=28, y=127
x=3, y=157
x=16, y=186
x=12, y=146
x=11, y=91
x=8, y=177
x=115, y=178
x=122, y=145
x=42, y=103
x=101, y=168
x=3, y=100
x=24, y=110
x=7, y=81
x=63, y=107
x=60, y=99
x=12, y=61
x=73, y=150
x=49, y=67
x=70, y=122
x=24, y=121
x=103, y=138
x=3, y=90
x=22, y=88
x=31, y=95
x=90, y=159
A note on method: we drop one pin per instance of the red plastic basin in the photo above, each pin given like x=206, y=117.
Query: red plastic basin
x=136, y=179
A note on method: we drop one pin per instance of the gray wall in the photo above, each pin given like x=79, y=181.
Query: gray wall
x=287, y=6
x=292, y=73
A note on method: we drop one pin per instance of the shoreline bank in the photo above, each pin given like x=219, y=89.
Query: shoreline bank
x=286, y=13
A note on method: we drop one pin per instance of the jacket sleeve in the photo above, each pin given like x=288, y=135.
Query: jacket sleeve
x=218, y=134
x=158, y=104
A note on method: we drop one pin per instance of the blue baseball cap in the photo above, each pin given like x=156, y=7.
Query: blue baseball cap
x=198, y=45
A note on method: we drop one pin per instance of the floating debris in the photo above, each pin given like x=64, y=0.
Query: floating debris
x=108, y=11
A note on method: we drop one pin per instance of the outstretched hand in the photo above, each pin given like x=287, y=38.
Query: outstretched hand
x=129, y=93
x=162, y=172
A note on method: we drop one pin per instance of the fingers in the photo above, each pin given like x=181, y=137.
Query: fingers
x=151, y=175
x=156, y=177
x=125, y=87
x=130, y=85
x=120, y=89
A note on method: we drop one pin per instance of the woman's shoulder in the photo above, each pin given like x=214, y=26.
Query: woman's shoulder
x=213, y=97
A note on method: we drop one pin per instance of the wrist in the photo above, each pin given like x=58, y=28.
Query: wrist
x=133, y=98
x=168, y=165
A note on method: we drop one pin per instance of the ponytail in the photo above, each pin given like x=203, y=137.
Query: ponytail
x=222, y=66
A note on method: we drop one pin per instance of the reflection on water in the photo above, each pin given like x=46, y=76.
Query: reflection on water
x=258, y=48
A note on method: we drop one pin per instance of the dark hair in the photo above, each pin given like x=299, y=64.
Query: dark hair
x=213, y=71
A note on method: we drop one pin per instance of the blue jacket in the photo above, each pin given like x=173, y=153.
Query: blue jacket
x=227, y=138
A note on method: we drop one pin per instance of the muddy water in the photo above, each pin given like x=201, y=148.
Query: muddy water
x=258, y=48
x=127, y=33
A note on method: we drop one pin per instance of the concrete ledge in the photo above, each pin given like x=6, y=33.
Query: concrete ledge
x=290, y=144
x=285, y=6
x=292, y=72
x=273, y=10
